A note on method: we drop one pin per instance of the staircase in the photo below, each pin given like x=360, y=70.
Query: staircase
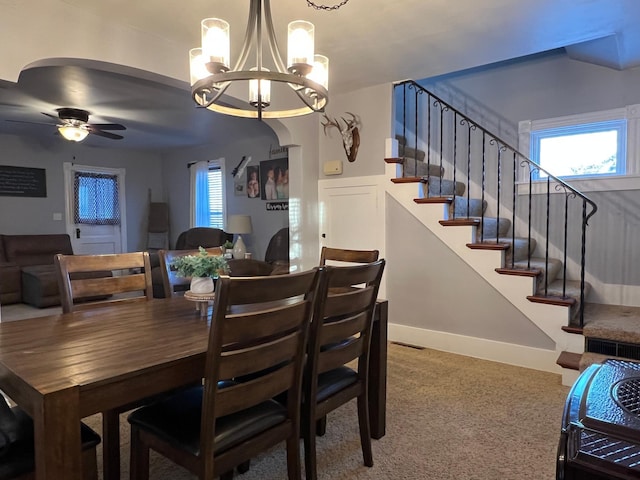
x=478, y=195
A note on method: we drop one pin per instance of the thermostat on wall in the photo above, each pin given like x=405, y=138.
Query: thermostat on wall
x=333, y=167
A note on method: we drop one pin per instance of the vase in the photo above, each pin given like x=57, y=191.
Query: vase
x=201, y=285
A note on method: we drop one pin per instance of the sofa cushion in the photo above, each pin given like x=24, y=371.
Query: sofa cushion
x=26, y=250
x=40, y=286
x=10, y=283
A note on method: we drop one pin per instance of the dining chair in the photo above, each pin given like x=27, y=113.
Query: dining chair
x=172, y=282
x=259, y=327
x=89, y=281
x=17, y=454
x=340, y=334
x=342, y=256
x=92, y=281
x=348, y=256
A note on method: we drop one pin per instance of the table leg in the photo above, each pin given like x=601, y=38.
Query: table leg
x=378, y=371
x=57, y=437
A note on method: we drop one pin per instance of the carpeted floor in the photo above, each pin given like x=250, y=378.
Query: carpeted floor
x=448, y=417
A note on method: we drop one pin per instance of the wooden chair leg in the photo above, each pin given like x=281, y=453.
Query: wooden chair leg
x=293, y=457
x=310, y=465
x=89, y=464
x=111, y=445
x=139, y=456
x=365, y=430
x=321, y=426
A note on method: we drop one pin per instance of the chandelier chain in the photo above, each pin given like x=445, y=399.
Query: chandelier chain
x=310, y=3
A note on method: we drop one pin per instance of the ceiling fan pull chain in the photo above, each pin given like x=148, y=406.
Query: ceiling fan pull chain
x=326, y=7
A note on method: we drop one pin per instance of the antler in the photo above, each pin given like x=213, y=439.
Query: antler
x=350, y=134
x=330, y=123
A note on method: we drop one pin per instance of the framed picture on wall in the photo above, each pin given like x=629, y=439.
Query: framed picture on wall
x=253, y=181
x=274, y=179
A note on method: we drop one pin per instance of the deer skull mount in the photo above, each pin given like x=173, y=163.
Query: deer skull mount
x=349, y=132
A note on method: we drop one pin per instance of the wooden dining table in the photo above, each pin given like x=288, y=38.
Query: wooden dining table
x=62, y=368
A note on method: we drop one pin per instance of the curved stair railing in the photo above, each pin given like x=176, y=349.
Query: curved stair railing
x=504, y=179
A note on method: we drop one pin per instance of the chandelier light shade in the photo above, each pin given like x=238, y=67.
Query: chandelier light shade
x=73, y=133
x=271, y=90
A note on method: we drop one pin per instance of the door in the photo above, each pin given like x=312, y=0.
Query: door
x=95, y=213
x=352, y=214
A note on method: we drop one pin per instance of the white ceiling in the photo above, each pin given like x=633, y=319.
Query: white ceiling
x=368, y=42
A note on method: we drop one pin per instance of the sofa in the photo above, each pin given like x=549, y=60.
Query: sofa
x=27, y=272
x=188, y=240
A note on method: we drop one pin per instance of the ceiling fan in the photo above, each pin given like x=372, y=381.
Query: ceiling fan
x=74, y=125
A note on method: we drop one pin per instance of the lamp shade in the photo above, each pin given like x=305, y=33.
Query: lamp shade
x=239, y=224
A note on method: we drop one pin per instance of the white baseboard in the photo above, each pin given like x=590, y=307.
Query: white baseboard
x=519, y=355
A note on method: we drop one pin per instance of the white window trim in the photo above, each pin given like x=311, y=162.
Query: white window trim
x=628, y=181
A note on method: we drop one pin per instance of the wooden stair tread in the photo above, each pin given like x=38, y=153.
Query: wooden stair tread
x=473, y=222
x=488, y=246
x=571, y=329
x=552, y=300
x=569, y=360
x=433, y=200
x=406, y=180
x=521, y=272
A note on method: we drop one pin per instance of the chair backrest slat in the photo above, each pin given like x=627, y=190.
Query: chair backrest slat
x=246, y=327
x=88, y=281
x=340, y=355
x=248, y=394
x=347, y=255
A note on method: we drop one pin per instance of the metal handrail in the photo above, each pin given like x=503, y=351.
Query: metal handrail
x=519, y=160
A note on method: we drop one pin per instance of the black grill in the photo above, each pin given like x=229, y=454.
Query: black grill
x=613, y=348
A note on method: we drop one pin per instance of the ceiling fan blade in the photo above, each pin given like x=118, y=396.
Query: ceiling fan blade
x=55, y=117
x=33, y=123
x=100, y=133
x=108, y=126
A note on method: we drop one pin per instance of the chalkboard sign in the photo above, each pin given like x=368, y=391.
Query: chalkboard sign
x=22, y=182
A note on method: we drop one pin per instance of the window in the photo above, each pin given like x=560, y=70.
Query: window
x=595, y=151
x=589, y=149
x=216, y=204
x=96, y=199
x=208, y=203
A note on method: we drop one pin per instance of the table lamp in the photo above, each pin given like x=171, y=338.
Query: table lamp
x=239, y=224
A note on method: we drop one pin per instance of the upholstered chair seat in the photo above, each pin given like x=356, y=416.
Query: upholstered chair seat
x=17, y=456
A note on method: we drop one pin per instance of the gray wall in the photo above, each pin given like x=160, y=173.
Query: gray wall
x=176, y=187
x=163, y=176
x=20, y=215
x=428, y=292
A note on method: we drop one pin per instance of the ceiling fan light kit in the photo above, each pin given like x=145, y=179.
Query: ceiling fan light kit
x=305, y=75
x=74, y=125
x=73, y=133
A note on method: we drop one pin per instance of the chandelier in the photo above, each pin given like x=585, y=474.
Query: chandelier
x=301, y=85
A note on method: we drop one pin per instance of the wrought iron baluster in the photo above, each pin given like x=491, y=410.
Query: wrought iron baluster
x=484, y=152
x=513, y=203
x=546, y=247
x=455, y=154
